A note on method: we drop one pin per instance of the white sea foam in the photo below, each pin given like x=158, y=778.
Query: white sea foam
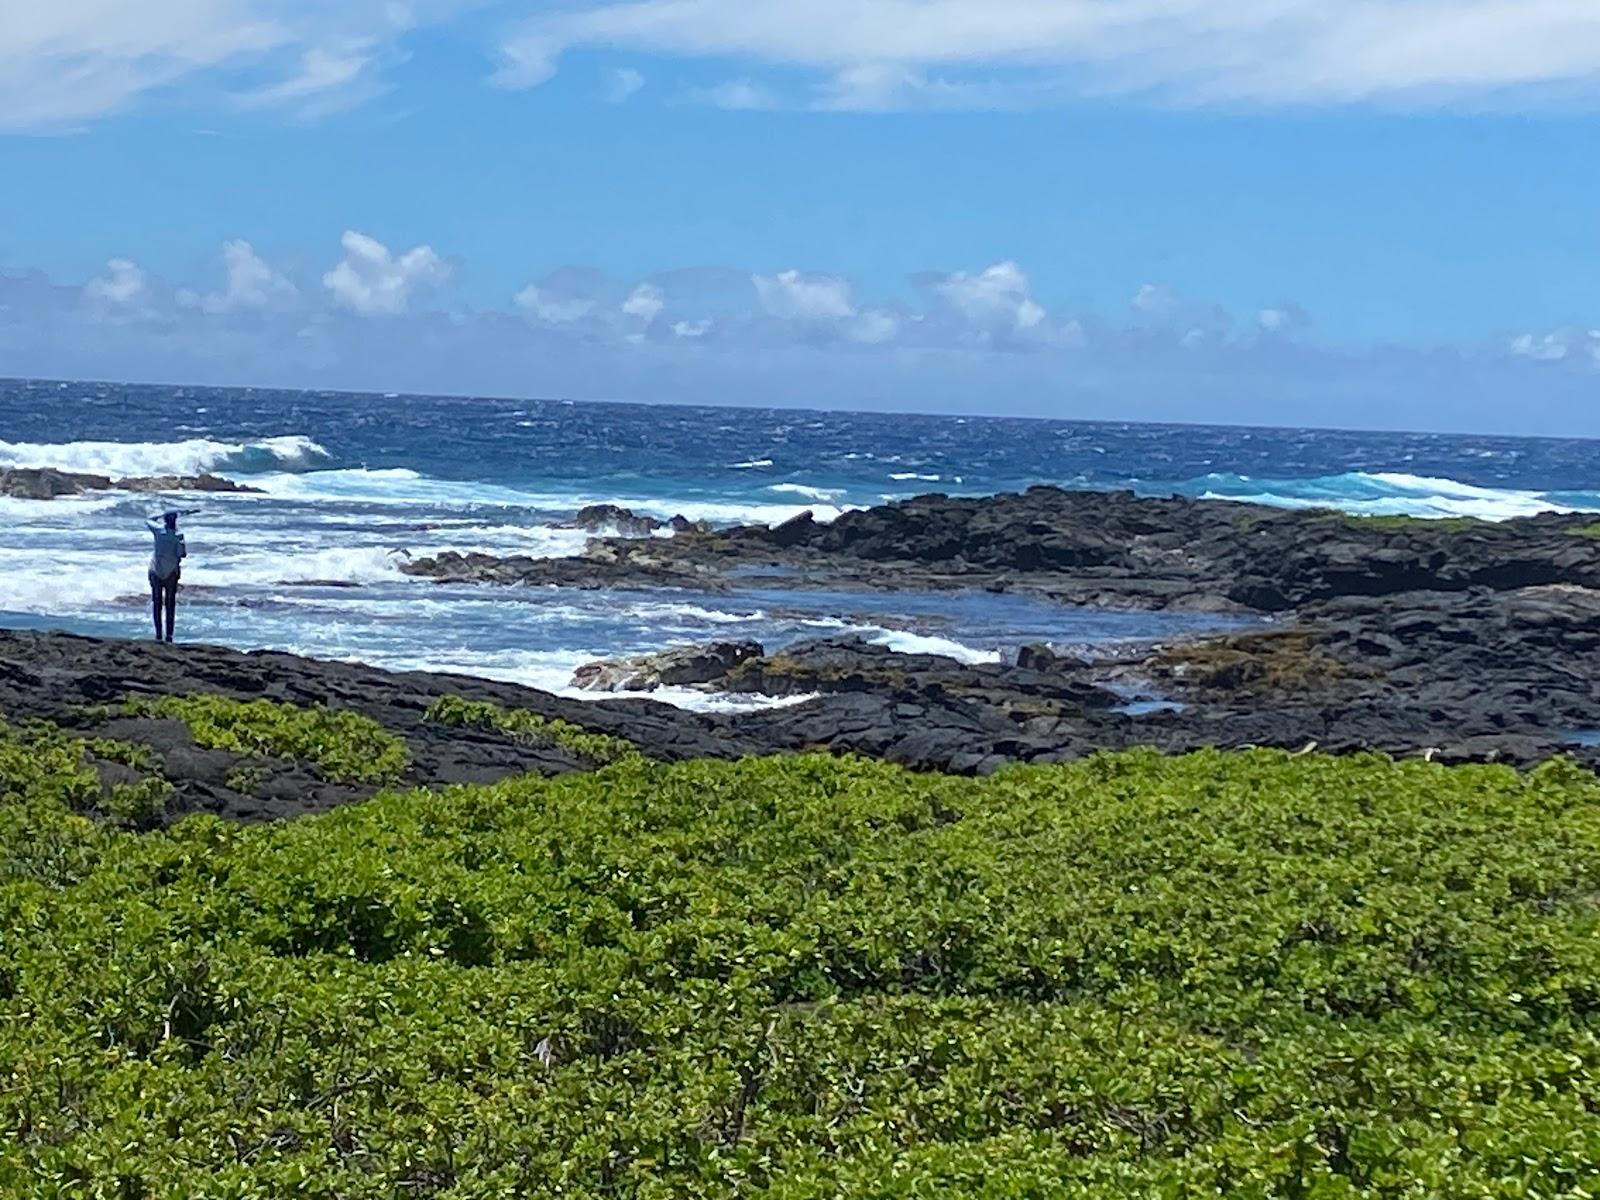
x=919, y=643
x=54, y=512
x=68, y=579
x=753, y=464
x=684, y=612
x=903, y=475
x=189, y=457
x=806, y=490
x=393, y=486
x=725, y=512
x=340, y=564
x=720, y=702
x=551, y=671
x=1385, y=493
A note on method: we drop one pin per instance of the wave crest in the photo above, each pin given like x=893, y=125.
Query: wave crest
x=1390, y=493
x=193, y=456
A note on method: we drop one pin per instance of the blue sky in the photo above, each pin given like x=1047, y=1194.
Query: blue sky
x=1295, y=211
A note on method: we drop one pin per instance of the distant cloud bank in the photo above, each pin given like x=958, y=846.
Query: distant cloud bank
x=976, y=338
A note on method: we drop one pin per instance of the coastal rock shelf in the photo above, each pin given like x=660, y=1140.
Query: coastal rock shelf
x=1457, y=641
x=1107, y=549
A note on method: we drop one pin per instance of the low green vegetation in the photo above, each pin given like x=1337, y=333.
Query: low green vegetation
x=40, y=762
x=460, y=713
x=1401, y=521
x=1591, y=530
x=344, y=747
x=1242, y=975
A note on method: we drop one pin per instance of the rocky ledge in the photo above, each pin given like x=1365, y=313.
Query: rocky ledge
x=1107, y=549
x=47, y=483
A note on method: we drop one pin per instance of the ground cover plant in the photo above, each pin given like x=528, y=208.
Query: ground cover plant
x=345, y=747
x=1226, y=974
x=461, y=713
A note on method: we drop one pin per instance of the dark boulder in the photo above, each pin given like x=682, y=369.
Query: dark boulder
x=685, y=666
x=47, y=483
x=613, y=518
x=184, y=483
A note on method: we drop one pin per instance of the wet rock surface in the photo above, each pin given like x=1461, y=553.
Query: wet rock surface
x=47, y=483
x=613, y=518
x=184, y=483
x=680, y=667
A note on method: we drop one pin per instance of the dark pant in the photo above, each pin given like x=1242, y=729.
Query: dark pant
x=164, y=598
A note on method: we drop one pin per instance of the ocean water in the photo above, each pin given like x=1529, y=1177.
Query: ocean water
x=352, y=483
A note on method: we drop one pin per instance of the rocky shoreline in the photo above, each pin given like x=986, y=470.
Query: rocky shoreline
x=1458, y=641
x=1102, y=549
x=1457, y=638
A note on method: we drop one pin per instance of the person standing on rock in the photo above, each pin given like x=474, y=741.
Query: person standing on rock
x=166, y=562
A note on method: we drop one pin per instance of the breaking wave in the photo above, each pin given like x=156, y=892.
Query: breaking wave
x=1383, y=493
x=193, y=456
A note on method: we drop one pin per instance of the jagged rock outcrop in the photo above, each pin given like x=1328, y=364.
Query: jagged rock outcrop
x=682, y=666
x=184, y=483
x=47, y=483
x=613, y=518
x=1107, y=549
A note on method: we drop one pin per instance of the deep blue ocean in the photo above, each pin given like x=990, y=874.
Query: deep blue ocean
x=352, y=482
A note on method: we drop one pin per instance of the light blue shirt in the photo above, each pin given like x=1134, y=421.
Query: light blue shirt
x=168, y=553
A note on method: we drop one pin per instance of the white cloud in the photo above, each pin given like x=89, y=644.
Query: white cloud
x=123, y=286
x=525, y=61
x=997, y=300
x=1155, y=300
x=645, y=303
x=547, y=305
x=1186, y=51
x=66, y=62
x=737, y=95
x=622, y=84
x=872, y=87
x=252, y=283
x=371, y=281
x=691, y=330
x=1162, y=307
x=1560, y=345
x=794, y=296
x=874, y=327
x=1283, y=320
x=326, y=78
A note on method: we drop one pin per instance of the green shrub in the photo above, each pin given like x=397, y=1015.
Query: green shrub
x=140, y=758
x=345, y=747
x=46, y=784
x=1245, y=975
x=519, y=723
x=139, y=803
